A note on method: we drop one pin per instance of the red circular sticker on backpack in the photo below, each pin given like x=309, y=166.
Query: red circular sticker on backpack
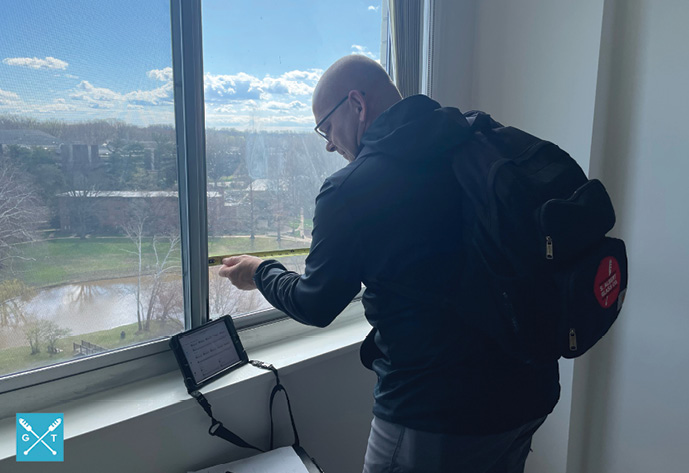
x=607, y=282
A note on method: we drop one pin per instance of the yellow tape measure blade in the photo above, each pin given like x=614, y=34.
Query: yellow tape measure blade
x=217, y=260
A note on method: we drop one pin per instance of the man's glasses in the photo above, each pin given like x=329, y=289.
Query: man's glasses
x=318, y=125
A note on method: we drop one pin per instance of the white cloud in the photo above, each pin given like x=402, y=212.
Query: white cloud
x=228, y=88
x=100, y=97
x=217, y=118
x=36, y=63
x=264, y=106
x=58, y=105
x=372, y=8
x=293, y=105
x=244, y=87
x=312, y=75
x=164, y=74
x=238, y=100
x=363, y=50
x=95, y=97
x=161, y=95
x=71, y=76
x=12, y=103
x=246, y=101
x=9, y=98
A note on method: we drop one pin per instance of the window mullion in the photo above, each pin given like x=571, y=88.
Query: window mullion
x=187, y=55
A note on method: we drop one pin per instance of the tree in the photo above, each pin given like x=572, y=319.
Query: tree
x=226, y=299
x=134, y=229
x=125, y=164
x=34, y=333
x=14, y=295
x=164, y=248
x=82, y=206
x=52, y=333
x=41, y=165
x=223, y=154
x=21, y=211
x=165, y=163
x=169, y=303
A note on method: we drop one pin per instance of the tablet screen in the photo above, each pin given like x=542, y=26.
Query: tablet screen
x=208, y=351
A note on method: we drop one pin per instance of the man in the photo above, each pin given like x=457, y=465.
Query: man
x=447, y=398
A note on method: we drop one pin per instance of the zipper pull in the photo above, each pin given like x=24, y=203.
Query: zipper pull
x=548, y=248
x=572, y=340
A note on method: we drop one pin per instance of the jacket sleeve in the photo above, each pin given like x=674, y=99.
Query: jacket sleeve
x=332, y=276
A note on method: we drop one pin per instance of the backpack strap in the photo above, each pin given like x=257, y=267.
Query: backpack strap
x=278, y=387
x=217, y=429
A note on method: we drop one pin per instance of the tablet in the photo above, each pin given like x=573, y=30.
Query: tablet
x=208, y=352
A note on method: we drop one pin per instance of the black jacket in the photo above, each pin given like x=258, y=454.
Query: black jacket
x=392, y=219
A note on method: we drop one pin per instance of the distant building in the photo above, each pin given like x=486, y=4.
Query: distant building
x=79, y=156
x=27, y=139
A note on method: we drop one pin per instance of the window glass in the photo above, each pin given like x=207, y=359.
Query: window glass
x=265, y=164
x=89, y=214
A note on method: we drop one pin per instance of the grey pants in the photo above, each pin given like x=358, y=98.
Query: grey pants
x=393, y=448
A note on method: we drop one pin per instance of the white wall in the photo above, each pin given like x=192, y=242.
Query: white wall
x=633, y=395
x=535, y=65
x=608, y=81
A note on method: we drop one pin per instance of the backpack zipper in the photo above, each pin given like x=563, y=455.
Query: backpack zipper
x=548, y=247
x=572, y=340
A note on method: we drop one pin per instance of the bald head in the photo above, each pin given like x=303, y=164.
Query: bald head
x=355, y=72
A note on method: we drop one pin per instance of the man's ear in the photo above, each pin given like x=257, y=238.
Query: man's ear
x=358, y=101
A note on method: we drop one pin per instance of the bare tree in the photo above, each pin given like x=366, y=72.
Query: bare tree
x=21, y=211
x=14, y=295
x=226, y=299
x=164, y=249
x=134, y=229
x=220, y=298
x=169, y=304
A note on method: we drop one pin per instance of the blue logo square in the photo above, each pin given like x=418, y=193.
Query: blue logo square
x=40, y=437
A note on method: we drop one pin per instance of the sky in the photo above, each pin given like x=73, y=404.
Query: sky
x=79, y=60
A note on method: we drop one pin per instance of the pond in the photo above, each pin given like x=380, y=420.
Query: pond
x=106, y=304
x=81, y=308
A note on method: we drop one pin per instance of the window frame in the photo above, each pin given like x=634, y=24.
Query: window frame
x=153, y=357
x=39, y=388
x=187, y=74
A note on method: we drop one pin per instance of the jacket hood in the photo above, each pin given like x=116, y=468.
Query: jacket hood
x=415, y=127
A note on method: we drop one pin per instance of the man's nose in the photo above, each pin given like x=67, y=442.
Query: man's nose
x=329, y=147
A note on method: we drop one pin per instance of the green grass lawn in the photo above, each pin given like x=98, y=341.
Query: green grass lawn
x=71, y=260
x=20, y=358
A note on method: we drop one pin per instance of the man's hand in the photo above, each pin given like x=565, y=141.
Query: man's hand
x=240, y=271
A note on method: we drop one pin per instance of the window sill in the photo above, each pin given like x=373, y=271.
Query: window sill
x=165, y=394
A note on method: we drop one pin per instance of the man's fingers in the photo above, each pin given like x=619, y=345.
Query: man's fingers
x=224, y=271
x=232, y=260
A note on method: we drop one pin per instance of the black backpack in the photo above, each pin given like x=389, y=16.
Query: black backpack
x=543, y=278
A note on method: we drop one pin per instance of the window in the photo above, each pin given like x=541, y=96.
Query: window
x=90, y=256
x=265, y=164
x=92, y=245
